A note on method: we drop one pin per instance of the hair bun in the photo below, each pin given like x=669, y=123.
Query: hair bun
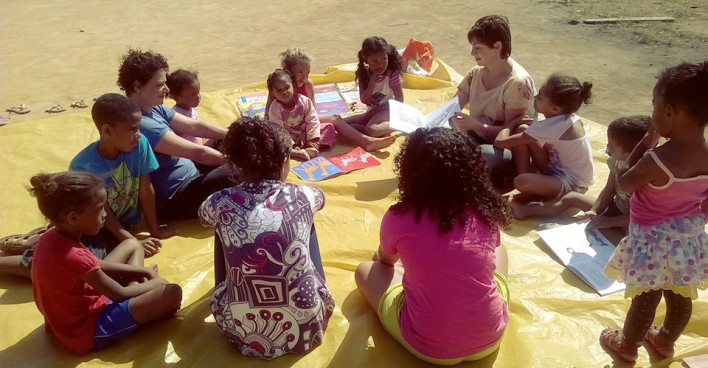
x=43, y=183
x=585, y=92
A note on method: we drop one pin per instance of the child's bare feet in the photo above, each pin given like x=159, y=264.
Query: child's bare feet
x=518, y=210
x=373, y=144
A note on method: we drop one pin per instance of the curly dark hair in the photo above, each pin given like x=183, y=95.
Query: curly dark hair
x=686, y=86
x=178, y=80
x=256, y=148
x=373, y=45
x=276, y=75
x=490, y=29
x=59, y=193
x=442, y=171
x=139, y=66
x=567, y=92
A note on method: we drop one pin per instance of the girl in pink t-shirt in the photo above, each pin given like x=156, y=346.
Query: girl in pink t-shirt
x=88, y=303
x=446, y=302
x=666, y=250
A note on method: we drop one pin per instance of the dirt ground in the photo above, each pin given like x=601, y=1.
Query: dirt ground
x=54, y=53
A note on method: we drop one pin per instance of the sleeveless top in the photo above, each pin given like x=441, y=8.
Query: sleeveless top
x=679, y=197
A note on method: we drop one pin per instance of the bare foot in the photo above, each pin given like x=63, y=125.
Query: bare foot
x=374, y=144
x=518, y=210
x=299, y=154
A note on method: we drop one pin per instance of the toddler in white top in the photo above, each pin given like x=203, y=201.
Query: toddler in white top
x=557, y=146
x=185, y=90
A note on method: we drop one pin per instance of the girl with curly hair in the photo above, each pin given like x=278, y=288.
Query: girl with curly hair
x=266, y=274
x=447, y=300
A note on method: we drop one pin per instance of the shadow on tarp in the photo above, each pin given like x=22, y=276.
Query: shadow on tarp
x=18, y=290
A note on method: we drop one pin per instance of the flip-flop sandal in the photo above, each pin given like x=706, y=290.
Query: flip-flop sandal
x=56, y=109
x=79, y=105
x=18, y=243
x=663, y=349
x=611, y=342
x=22, y=109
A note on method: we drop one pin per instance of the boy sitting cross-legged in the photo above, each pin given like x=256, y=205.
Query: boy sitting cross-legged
x=124, y=159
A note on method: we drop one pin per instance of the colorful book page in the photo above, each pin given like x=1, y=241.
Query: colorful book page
x=320, y=168
x=350, y=93
x=354, y=160
x=317, y=169
x=252, y=104
x=328, y=100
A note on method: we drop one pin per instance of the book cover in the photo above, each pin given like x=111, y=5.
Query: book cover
x=585, y=252
x=350, y=94
x=320, y=168
x=329, y=101
x=252, y=104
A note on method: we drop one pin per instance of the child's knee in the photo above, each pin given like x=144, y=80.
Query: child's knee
x=172, y=296
x=523, y=183
x=362, y=272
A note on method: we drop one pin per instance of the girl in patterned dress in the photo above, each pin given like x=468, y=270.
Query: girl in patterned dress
x=270, y=296
x=666, y=250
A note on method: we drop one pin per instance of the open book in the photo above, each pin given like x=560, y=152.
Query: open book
x=585, y=252
x=407, y=118
x=320, y=168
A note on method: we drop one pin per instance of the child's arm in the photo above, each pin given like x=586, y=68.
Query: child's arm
x=506, y=140
x=146, y=195
x=197, y=128
x=648, y=141
x=309, y=91
x=398, y=91
x=173, y=145
x=381, y=256
x=639, y=175
x=111, y=224
x=366, y=93
x=607, y=195
x=117, y=270
x=109, y=287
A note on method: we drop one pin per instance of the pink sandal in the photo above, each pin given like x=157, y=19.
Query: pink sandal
x=663, y=349
x=611, y=341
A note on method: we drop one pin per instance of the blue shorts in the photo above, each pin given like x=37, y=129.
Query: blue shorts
x=113, y=323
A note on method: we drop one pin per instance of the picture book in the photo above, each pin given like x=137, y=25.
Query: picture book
x=407, y=119
x=252, y=104
x=320, y=168
x=585, y=252
x=350, y=93
x=329, y=101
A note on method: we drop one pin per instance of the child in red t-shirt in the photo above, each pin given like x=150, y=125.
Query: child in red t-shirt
x=89, y=303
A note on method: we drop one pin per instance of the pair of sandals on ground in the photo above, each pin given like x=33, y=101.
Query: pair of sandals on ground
x=22, y=109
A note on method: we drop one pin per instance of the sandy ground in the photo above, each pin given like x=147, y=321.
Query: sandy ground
x=54, y=53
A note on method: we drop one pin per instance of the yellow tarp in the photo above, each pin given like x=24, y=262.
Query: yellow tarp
x=555, y=318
